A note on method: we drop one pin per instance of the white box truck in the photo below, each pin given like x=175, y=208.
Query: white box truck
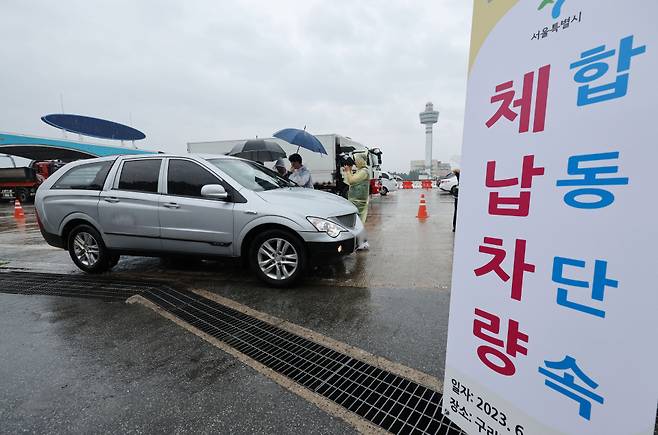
x=325, y=169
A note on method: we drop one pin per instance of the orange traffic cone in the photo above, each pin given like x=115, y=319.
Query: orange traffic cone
x=422, y=208
x=18, y=210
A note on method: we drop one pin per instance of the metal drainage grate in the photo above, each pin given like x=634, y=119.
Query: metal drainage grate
x=387, y=400
x=69, y=285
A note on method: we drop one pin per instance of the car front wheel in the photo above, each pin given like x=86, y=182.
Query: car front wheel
x=278, y=258
x=383, y=192
x=88, y=251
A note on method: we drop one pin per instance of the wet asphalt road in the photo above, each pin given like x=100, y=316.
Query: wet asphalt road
x=78, y=365
x=81, y=366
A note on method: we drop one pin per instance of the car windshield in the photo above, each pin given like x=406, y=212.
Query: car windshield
x=251, y=175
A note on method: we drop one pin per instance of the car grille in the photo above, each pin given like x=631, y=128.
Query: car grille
x=348, y=220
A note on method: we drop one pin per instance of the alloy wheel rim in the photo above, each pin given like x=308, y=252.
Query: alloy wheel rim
x=278, y=259
x=86, y=249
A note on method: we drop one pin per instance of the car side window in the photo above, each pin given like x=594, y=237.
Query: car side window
x=85, y=177
x=140, y=175
x=385, y=175
x=186, y=178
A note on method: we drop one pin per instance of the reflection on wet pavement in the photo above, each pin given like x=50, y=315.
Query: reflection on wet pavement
x=404, y=251
x=391, y=301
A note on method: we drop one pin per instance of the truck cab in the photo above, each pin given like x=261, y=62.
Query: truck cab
x=22, y=182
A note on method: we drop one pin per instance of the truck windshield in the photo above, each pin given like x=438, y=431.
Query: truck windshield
x=251, y=175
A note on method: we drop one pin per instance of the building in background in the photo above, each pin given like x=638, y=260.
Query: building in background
x=443, y=169
x=437, y=167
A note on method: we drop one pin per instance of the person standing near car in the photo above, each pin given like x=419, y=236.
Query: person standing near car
x=299, y=173
x=456, y=195
x=280, y=168
x=359, y=191
x=359, y=185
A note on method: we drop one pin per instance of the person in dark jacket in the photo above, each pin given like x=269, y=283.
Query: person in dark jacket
x=456, y=194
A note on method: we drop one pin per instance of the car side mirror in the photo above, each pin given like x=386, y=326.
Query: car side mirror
x=215, y=191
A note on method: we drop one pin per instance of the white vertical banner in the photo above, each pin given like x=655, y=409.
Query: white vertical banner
x=555, y=283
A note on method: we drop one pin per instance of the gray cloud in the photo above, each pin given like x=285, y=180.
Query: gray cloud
x=206, y=70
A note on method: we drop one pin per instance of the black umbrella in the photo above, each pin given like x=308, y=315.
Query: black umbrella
x=258, y=150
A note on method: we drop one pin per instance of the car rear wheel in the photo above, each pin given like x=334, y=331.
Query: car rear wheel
x=453, y=190
x=88, y=251
x=384, y=191
x=278, y=258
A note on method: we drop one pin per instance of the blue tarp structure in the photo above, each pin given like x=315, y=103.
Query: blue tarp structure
x=94, y=127
x=37, y=148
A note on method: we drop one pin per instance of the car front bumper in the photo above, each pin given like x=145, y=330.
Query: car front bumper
x=323, y=252
x=323, y=248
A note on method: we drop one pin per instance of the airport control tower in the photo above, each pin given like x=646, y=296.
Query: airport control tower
x=429, y=117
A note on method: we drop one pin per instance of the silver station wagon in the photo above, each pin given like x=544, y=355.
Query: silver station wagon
x=99, y=209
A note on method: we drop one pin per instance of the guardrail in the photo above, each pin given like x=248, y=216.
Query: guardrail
x=417, y=184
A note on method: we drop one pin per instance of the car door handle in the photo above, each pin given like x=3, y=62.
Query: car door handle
x=111, y=199
x=171, y=205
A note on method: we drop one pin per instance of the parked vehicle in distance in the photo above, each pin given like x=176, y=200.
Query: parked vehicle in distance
x=22, y=182
x=388, y=184
x=448, y=184
x=214, y=206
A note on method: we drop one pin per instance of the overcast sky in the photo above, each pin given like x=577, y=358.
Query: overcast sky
x=230, y=69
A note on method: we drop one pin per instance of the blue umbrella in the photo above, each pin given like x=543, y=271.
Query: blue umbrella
x=301, y=138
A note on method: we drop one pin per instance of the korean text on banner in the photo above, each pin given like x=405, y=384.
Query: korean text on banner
x=554, y=295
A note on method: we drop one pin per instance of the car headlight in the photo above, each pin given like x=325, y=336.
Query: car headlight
x=325, y=226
